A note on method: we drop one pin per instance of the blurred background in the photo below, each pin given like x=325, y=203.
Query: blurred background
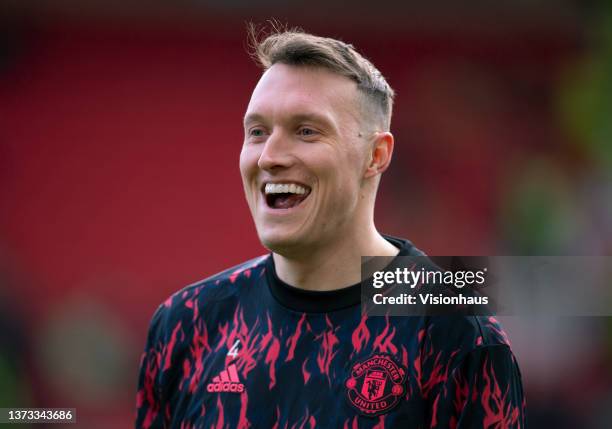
x=120, y=130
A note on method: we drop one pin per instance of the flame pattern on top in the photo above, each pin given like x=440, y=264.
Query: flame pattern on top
x=460, y=370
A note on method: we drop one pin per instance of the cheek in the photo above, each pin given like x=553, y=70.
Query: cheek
x=352, y=169
x=248, y=173
x=248, y=162
x=340, y=180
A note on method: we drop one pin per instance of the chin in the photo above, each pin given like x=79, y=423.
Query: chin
x=285, y=244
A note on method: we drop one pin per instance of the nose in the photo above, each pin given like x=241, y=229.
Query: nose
x=276, y=153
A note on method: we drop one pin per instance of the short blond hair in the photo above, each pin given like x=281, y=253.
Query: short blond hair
x=298, y=48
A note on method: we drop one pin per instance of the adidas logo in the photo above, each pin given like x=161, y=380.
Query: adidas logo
x=226, y=381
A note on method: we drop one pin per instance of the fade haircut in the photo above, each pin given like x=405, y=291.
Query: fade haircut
x=297, y=48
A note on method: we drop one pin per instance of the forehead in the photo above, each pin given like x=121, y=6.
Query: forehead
x=285, y=89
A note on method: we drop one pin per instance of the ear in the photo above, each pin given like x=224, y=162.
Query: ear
x=380, y=155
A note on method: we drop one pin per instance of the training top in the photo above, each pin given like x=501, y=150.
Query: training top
x=244, y=349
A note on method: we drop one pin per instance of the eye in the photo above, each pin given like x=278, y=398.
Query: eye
x=256, y=133
x=307, y=132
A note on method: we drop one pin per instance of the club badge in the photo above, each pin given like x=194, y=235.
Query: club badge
x=375, y=385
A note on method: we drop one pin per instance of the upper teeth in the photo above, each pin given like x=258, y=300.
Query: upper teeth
x=284, y=188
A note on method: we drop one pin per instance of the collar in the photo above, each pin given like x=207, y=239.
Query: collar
x=309, y=301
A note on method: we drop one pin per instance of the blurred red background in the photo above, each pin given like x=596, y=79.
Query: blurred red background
x=120, y=129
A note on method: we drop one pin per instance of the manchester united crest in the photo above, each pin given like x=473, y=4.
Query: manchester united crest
x=375, y=385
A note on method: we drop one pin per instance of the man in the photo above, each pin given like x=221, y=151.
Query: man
x=280, y=341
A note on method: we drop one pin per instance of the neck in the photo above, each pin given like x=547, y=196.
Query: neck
x=335, y=265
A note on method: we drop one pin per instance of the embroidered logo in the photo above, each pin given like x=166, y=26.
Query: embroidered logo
x=226, y=381
x=375, y=385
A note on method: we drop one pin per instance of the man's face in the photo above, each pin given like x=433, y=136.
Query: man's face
x=303, y=158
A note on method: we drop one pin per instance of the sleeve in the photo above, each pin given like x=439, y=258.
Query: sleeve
x=149, y=396
x=484, y=391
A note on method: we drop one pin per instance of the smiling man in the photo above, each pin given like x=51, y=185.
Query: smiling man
x=280, y=341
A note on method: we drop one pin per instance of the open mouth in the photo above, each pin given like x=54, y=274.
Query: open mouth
x=285, y=195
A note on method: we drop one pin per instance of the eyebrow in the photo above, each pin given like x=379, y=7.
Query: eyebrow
x=253, y=117
x=300, y=117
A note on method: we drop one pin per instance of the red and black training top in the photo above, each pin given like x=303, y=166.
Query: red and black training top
x=243, y=349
